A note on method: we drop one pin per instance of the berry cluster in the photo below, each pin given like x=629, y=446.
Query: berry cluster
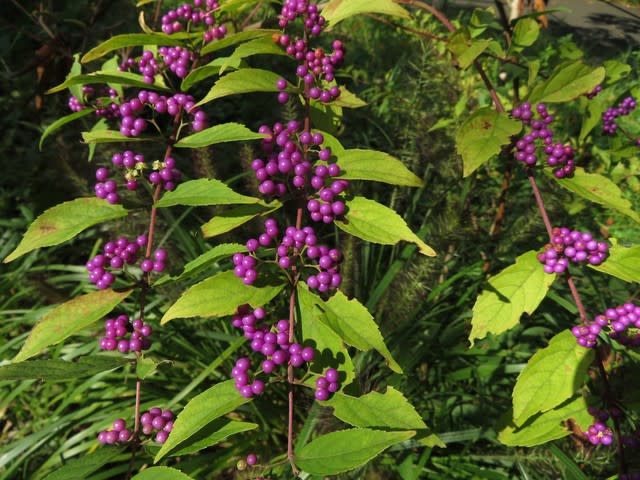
x=147, y=65
x=132, y=126
x=116, y=331
x=597, y=89
x=250, y=461
x=157, y=420
x=571, y=245
x=560, y=157
x=598, y=433
x=118, y=433
x=329, y=203
x=108, y=109
x=617, y=320
x=200, y=12
x=327, y=384
x=292, y=9
x=625, y=107
x=272, y=341
x=178, y=59
x=116, y=255
x=165, y=174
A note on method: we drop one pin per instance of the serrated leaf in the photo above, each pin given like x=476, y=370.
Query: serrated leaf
x=390, y=409
x=465, y=49
x=212, y=434
x=568, y=81
x=525, y=33
x=65, y=221
x=161, y=473
x=552, y=375
x=482, y=136
x=377, y=166
x=547, y=426
x=329, y=345
x=616, y=70
x=517, y=289
x=337, y=10
x=58, y=370
x=246, y=80
x=258, y=46
x=377, y=223
x=354, y=324
x=118, y=78
x=598, y=189
x=61, y=122
x=218, y=296
x=129, y=40
x=203, y=191
x=109, y=136
x=69, y=318
x=76, y=69
x=203, y=409
x=145, y=367
x=210, y=69
x=344, y=450
x=346, y=99
x=622, y=262
x=233, y=218
x=236, y=38
x=225, y=132
x=80, y=468
x=203, y=262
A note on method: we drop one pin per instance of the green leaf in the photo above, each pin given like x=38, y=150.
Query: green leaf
x=354, y=324
x=65, y=221
x=203, y=409
x=161, y=473
x=525, y=33
x=236, y=38
x=218, y=296
x=623, y=262
x=61, y=122
x=130, y=40
x=551, y=376
x=517, y=289
x=210, y=69
x=534, y=69
x=376, y=223
x=377, y=166
x=109, y=136
x=616, y=70
x=76, y=69
x=344, y=450
x=226, y=132
x=100, y=125
x=203, y=262
x=245, y=80
x=212, y=434
x=346, y=99
x=337, y=10
x=595, y=109
x=390, y=409
x=332, y=352
x=464, y=49
x=482, y=136
x=567, y=81
x=598, y=189
x=258, y=46
x=57, y=370
x=145, y=367
x=69, y=318
x=546, y=426
x=80, y=468
x=233, y=218
x=203, y=191
x=118, y=78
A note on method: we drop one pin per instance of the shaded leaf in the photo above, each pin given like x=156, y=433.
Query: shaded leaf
x=57, y=370
x=65, y=221
x=568, y=81
x=465, y=49
x=233, y=218
x=376, y=223
x=225, y=132
x=80, y=468
x=344, y=450
x=517, y=289
x=203, y=191
x=61, y=122
x=212, y=434
x=482, y=136
x=203, y=409
x=218, y=296
x=525, y=33
x=552, y=375
x=69, y=318
x=129, y=40
x=210, y=69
